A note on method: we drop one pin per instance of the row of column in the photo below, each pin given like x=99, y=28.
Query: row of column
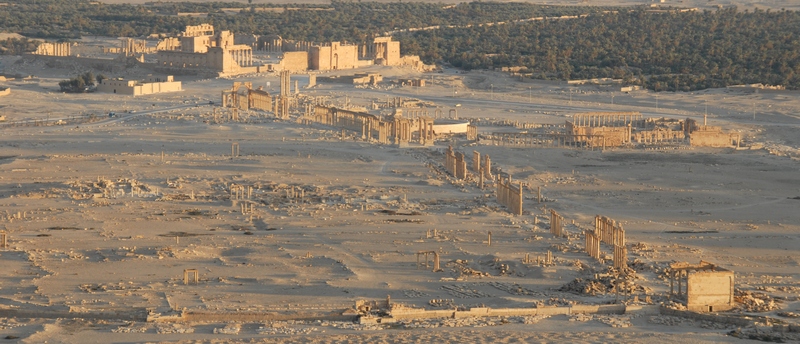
x=461, y=166
x=259, y=100
x=426, y=136
x=243, y=57
x=508, y=195
x=610, y=232
x=547, y=140
x=661, y=136
x=556, y=224
x=455, y=164
x=402, y=131
x=483, y=171
x=435, y=254
x=600, y=120
x=592, y=244
x=607, y=231
x=678, y=279
x=238, y=192
x=383, y=132
x=450, y=161
x=472, y=133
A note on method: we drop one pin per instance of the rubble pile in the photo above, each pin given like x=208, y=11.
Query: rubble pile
x=765, y=334
x=667, y=320
x=464, y=292
x=639, y=266
x=232, y=329
x=505, y=269
x=285, y=330
x=559, y=302
x=353, y=326
x=471, y=322
x=108, y=188
x=173, y=328
x=130, y=329
x=290, y=327
x=589, y=286
x=610, y=320
x=749, y=301
x=513, y=288
x=413, y=293
x=9, y=323
x=461, y=268
x=442, y=303
x=789, y=314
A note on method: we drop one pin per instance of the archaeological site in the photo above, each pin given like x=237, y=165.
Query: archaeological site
x=209, y=183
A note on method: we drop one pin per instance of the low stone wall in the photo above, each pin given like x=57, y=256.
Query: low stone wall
x=786, y=328
x=261, y=317
x=495, y=312
x=725, y=319
x=132, y=314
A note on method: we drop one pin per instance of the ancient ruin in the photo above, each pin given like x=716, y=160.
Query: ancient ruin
x=603, y=130
x=305, y=198
x=190, y=276
x=508, y=194
x=557, y=229
x=53, y=49
x=242, y=96
x=324, y=56
x=455, y=164
x=435, y=255
x=201, y=50
x=703, y=287
x=334, y=55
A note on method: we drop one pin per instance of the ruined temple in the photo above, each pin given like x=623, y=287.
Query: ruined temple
x=200, y=49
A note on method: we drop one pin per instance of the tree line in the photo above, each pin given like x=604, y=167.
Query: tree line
x=661, y=51
x=82, y=83
x=339, y=20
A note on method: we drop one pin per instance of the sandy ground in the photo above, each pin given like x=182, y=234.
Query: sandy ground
x=99, y=220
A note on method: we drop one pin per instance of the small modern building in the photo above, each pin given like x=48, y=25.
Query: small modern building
x=138, y=88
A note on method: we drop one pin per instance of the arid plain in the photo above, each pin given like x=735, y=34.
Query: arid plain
x=104, y=217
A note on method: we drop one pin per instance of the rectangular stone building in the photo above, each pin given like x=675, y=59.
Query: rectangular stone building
x=333, y=56
x=704, y=287
x=137, y=88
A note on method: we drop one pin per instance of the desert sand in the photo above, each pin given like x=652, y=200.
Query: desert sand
x=103, y=217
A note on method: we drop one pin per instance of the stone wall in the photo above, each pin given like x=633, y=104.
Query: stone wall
x=413, y=313
x=333, y=56
x=295, y=61
x=53, y=49
x=134, y=88
x=711, y=137
x=608, y=136
x=710, y=291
